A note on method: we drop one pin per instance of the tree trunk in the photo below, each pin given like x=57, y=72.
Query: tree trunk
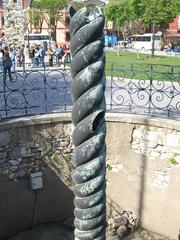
x=153, y=39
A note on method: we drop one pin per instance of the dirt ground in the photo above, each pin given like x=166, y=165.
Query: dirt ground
x=57, y=231
x=53, y=231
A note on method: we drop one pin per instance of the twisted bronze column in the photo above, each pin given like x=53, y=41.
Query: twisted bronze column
x=87, y=70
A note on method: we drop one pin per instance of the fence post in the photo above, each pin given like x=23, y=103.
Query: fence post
x=150, y=88
x=4, y=88
x=112, y=68
x=88, y=86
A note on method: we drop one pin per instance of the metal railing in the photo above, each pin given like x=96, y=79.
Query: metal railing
x=37, y=91
x=149, y=89
x=130, y=88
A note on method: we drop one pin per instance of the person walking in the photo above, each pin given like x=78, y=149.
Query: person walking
x=42, y=54
x=27, y=56
x=20, y=56
x=31, y=55
x=12, y=54
x=36, y=55
x=171, y=46
x=7, y=64
x=50, y=55
x=60, y=55
x=1, y=57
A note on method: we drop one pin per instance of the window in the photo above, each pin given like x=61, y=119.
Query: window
x=67, y=21
x=2, y=20
x=67, y=36
x=142, y=39
x=137, y=39
x=37, y=37
x=157, y=37
x=147, y=39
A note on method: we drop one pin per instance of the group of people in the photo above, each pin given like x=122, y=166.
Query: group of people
x=37, y=53
x=33, y=56
x=61, y=55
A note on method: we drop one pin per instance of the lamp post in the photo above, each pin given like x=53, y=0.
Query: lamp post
x=87, y=70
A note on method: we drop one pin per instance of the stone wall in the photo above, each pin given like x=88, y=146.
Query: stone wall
x=29, y=146
x=25, y=151
x=143, y=171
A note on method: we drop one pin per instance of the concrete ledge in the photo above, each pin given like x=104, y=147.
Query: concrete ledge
x=110, y=117
x=35, y=120
x=143, y=120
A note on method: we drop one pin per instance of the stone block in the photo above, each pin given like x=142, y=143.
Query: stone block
x=160, y=178
x=172, y=140
x=13, y=169
x=15, y=162
x=23, y=150
x=137, y=133
x=5, y=138
x=150, y=136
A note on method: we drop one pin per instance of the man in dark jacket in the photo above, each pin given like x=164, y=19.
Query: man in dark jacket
x=7, y=64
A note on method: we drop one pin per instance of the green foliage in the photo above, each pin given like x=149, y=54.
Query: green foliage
x=108, y=167
x=35, y=17
x=33, y=169
x=55, y=157
x=77, y=5
x=159, y=12
x=118, y=12
x=50, y=11
x=68, y=157
x=155, y=14
x=178, y=7
x=173, y=160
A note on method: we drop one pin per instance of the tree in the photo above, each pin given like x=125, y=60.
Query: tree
x=35, y=17
x=77, y=5
x=124, y=14
x=178, y=7
x=157, y=14
x=50, y=11
x=118, y=12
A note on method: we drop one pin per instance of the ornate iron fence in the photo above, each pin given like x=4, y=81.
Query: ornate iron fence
x=149, y=89
x=132, y=88
x=35, y=92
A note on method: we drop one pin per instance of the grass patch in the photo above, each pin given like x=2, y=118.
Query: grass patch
x=130, y=57
x=142, y=66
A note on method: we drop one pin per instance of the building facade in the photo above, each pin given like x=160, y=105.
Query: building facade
x=1, y=19
x=62, y=29
x=173, y=32
x=13, y=24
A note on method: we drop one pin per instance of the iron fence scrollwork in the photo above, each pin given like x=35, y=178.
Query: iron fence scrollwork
x=35, y=92
x=155, y=90
x=149, y=89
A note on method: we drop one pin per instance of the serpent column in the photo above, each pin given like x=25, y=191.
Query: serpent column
x=88, y=86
